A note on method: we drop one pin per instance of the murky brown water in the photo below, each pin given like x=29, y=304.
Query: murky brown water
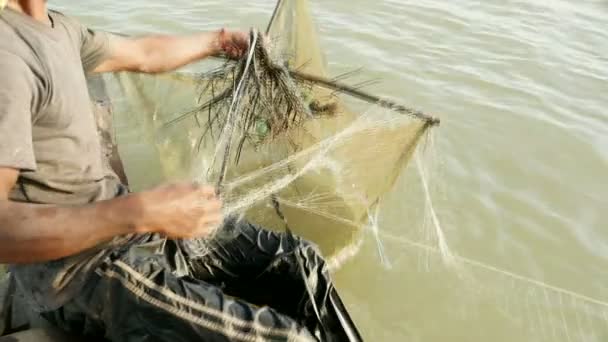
x=519, y=169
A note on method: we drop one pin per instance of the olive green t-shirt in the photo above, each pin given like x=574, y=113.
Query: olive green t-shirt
x=48, y=132
x=47, y=126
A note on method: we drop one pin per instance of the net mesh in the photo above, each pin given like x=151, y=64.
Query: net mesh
x=263, y=133
x=339, y=178
x=335, y=177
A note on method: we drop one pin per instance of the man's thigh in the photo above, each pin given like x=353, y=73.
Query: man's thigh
x=245, y=250
x=146, y=301
x=258, y=265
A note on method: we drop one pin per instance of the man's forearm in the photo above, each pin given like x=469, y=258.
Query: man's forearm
x=159, y=53
x=35, y=233
x=166, y=53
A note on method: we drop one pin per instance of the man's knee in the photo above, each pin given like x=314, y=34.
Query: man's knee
x=255, y=239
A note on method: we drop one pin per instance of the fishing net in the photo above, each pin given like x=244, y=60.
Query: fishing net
x=345, y=159
x=282, y=141
x=335, y=172
x=338, y=171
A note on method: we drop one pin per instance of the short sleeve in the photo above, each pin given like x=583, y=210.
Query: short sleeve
x=17, y=98
x=94, y=48
x=94, y=44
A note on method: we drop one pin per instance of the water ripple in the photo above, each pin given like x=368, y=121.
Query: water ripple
x=520, y=86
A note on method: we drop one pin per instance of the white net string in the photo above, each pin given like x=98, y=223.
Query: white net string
x=335, y=177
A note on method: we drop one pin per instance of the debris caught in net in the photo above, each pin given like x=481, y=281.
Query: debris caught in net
x=273, y=125
x=328, y=155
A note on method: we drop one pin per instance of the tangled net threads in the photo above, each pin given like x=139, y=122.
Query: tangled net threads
x=267, y=99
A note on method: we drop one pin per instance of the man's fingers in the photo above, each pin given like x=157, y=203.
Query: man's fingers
x=207, y=192
x=235, y=43
x=212, y=219
x=234, y=51
x=212, y=206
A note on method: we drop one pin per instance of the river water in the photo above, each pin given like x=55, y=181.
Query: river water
x=518, y=170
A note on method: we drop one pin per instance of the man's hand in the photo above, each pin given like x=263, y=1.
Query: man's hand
x=35, y=233
x=186, y=210
x=233, y=44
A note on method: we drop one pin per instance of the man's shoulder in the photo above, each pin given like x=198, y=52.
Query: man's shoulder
x=5, y=28
x=10, y=41
x=59, y=15
x=17, y=65
x=16, y=48
x=66, y=19
x=11, y=63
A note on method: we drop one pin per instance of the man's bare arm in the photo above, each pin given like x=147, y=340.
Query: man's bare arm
x=163, y=53
x=35, y=233
x=31, y=233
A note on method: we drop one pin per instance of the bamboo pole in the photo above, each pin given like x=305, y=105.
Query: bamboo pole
x=365, y=96
x=327, y=83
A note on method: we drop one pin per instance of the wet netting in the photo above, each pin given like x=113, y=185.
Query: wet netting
x=276, y=136
x=288, y=145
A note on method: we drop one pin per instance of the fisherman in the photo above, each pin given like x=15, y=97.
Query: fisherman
x=159, y=265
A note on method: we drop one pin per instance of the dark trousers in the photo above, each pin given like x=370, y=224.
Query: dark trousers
x=244, y=284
